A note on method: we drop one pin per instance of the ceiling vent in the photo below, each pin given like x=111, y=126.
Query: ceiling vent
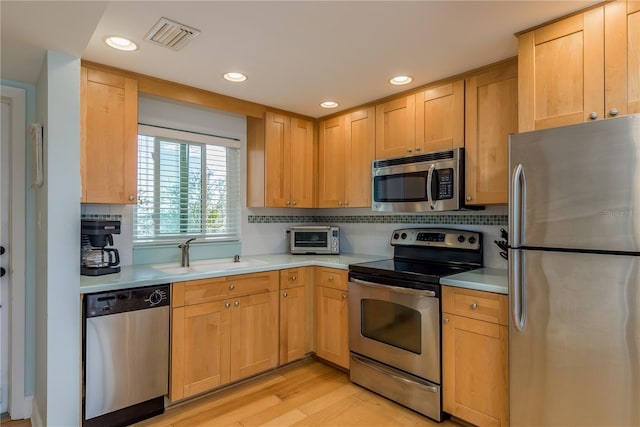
x=170, y=34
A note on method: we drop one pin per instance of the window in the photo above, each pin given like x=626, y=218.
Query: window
x=188, y=186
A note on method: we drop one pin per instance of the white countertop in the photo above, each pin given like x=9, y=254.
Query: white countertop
x=482, y=279
x=133, y=276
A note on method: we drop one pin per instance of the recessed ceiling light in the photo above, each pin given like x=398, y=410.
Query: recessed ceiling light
x=329, y=104
x=400, y=80
x=120, y=43
x=234, y=77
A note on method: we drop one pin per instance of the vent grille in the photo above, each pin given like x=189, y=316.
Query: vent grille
x=428, y=157
x=171, y=34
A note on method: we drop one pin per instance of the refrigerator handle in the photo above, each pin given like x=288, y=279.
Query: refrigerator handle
x=517, y=288
x=516, y=204
x=429, y=180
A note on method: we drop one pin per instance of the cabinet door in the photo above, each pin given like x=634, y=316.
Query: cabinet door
x=475, y=370
x=491, y=115
x=302, y=164
x=332, y=163
x=360, y=152
x=561, y=72
x=633, y=57
x=295, y=336
x=277, y=160
x=615, y=58
x=395, y=127
x=200, y=348
x=332, y=327
x=109, y=137
x=440, y=117
x=254, y=334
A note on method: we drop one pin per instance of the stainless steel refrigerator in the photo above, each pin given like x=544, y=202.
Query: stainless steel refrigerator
x=574, y=275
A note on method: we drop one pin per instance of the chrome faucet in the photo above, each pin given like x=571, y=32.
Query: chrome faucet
x=185, y=252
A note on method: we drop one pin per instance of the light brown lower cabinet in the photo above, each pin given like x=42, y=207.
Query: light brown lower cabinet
x=296, y=327
x=332, y=316
x=475, y=356
x=217, y=342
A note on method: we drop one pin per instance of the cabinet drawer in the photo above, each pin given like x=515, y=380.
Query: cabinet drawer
x=331, y=278
x=479, y=305
x=216, y=288
x=292, y=277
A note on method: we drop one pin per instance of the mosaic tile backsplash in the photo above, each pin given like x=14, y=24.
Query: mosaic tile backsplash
x=382, y=219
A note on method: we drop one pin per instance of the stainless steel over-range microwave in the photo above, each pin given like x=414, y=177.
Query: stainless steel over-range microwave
x=312, y=239
x=423, y=183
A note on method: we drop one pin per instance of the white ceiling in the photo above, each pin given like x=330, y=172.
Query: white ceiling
x=296, y=53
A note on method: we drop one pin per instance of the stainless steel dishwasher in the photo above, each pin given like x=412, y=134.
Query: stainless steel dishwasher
x=125, y=355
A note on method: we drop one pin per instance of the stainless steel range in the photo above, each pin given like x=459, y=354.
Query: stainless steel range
x=394, y=314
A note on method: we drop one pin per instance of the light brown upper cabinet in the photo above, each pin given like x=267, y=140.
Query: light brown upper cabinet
x=440, y=117
x=633, y=57
x=395, y=127
x=280, y=162
x=491, y=115
x=576, y=69
x=346, y=150
x=109, y=135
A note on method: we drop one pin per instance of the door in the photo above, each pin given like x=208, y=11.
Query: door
x=395, y=127
x=277, y=160
x=574, y=340
x=332, y=162
x=440, y=117
x=633, y=57
x=4, y=279
x=294, y=324
x=360, y=136
x=575, y=187
x=12, y=237
x=303, y=166
x=332, y=329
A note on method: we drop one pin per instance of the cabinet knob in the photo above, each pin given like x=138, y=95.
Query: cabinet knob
x=331, y=278
x=293, y=203
x=294, y=278
x=344, y=296
x=237, y=303
x=339, y=203
x=445, y=320
x=593, y=115
x=418, y=148
x=232, y=287
x=286, y=294
x=613, y=112
x=346, y=203
x=474, y=306
x=409, y=150
x=288, y=203
x=132, y=198
x=227, y=305
x=469, y=198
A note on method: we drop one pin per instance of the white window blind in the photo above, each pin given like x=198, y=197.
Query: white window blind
x=188, y=186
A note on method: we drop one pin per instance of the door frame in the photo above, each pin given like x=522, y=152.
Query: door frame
x=16, y=98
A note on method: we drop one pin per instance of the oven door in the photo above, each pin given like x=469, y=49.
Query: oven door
x=397, y=326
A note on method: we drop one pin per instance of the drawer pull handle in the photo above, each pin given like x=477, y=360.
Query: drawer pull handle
x=294, y=278
x=232, y=287
x=474, y=306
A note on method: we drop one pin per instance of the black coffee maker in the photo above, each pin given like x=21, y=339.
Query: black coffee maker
x=96, y=258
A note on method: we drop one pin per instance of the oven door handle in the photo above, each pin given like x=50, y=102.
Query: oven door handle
x=408, y=291
x=394, y=376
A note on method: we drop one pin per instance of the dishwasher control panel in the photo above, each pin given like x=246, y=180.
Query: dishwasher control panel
x=105, y=303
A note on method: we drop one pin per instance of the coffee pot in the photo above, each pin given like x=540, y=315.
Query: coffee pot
x=96, y=257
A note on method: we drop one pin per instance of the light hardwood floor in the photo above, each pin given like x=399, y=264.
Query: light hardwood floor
x=308, y=393
x=5, y=421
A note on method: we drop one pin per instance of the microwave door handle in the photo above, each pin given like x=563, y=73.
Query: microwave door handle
x=429, y=180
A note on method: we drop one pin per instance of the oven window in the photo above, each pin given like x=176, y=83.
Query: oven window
x=311, y=239
x=392, y=324
x=406, y=187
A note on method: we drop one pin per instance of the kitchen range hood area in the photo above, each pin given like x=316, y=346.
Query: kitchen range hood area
x=478, y=221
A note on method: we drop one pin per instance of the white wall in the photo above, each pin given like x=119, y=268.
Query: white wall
x=58, y=360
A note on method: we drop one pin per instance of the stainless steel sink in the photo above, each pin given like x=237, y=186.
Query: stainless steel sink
x=208, y=265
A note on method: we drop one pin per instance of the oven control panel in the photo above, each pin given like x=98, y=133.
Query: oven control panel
x=436, y=237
